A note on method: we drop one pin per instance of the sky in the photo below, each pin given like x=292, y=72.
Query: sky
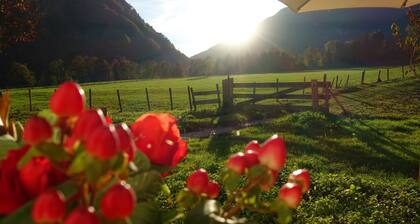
x=194, y=26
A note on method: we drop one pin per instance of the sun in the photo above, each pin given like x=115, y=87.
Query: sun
x=239, y=34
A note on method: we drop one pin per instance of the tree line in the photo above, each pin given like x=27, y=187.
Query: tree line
x=372, y=49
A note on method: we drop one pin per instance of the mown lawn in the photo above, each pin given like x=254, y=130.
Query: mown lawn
x=364, y=165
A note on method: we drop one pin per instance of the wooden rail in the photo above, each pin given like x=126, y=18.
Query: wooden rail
x=289, y=93
x=194, y=102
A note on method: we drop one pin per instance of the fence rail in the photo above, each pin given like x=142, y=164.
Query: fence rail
x=176, y=98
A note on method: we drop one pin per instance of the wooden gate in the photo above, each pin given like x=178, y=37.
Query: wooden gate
x=282, y=90
x=193, y=95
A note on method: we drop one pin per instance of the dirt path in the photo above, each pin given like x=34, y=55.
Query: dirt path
x=222, y=130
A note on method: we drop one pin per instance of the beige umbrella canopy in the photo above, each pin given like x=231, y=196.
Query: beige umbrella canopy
x=314, y=5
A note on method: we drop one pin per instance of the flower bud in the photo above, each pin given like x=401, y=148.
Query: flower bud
x=273, y=153
x=291, y=194
x=302, y=178
x=82, y=215
x=118, y=202
x=213, y=189
x=103, y=143
x=68, y=100
x=37, y=130
x=252, y=145
x=237, y=163
x=49, y=207
x=197, y=181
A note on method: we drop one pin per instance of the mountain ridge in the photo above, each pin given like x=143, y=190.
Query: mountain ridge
x=295, y=32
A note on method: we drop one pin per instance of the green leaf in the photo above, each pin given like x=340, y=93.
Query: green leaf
x=147, y=184
x=142, y=162
x=32, y=152
x=185, y=199
x=8, y=142
x=53, y=152
x=231, y=180
x=79, y=164
x=48, y=115
x=165, y=189
x=201, y=213
x=170, y=216
x=146, y=213
x=257, y=171
x=22, y=215
x=283, y=213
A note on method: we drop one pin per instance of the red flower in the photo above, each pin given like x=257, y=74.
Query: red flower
x=291, y=194
x=87, y=122
x=237, y=163
x=103, y=143
x=213, y=189
x=302, y=178
x=252, y=145
x=82, y=215
x=158, y=136
x=126, y=140
x=12, y=193
x=68, y=100
x=36, y=130
x=39, y=174
x=118, y=202
x=49, y=207
x=273, y=153
x=197, y=181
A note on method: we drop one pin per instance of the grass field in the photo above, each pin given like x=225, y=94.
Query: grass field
x=133, y=91
x=364, y=164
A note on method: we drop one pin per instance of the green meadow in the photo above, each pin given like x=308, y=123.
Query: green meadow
x=364, y=164
x=133, y=97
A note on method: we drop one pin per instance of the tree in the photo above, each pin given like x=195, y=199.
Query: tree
x=19, y=20
x=21, y=75
x=410, y=43
x=57, y=72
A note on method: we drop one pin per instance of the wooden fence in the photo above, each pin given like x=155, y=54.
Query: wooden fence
x=288, y=91
x=193, y=95
x=228, y=93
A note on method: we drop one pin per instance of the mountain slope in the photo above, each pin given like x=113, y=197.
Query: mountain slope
x=102, y=28
x=296, y=32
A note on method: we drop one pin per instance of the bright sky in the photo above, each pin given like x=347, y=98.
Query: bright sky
x=196, y=25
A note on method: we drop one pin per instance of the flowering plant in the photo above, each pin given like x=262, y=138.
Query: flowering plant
x=76, y=166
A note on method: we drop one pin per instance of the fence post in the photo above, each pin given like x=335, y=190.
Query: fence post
x=362, y=81
x=379, y=76
x=147, y=98
x=227, y=90
x=341, y=81
x=119, y=100
x=193, y=98
x=347, y=80
x=314, y=88
x=303, y=90
x=324, y=80
x=277, y=89
x=30, y=99
x=170, y=98
x=218, y=95
x=387, y=74
x=90, y=99
x=254, y=91
x=403, y=71
x=189, y=97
